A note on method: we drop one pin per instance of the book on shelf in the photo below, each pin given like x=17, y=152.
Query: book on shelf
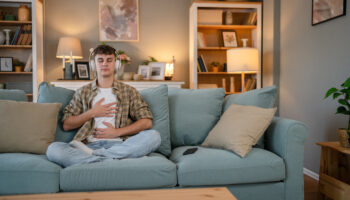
x=252, y=18
x=15, y=36
x=249, y=84
x=29, y=64
x=201, y=40
x=198, y=67
x=205, y=65
x=201, y=64
x=27, y=35
x=29, y=40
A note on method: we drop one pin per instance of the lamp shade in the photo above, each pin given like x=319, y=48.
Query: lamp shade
x=242, y=59
x=66, y=45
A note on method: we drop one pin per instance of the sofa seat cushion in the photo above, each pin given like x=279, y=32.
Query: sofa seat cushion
x=220, y=167
x=153, y=171
x=22, y=173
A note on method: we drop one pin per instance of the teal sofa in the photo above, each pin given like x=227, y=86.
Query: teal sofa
x=272, y=170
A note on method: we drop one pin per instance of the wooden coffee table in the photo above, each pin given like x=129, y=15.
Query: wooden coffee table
x=168, y=194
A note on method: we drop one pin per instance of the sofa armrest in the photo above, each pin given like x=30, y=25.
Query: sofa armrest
x=286, y=137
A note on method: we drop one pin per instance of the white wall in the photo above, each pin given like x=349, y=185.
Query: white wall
x=313, y=59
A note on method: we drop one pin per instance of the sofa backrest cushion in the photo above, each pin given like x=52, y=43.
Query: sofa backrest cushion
x=264, y=98
x=27, y=127
x=14, y=95
x=157, y=99
x=193, y=113
x=52, y=94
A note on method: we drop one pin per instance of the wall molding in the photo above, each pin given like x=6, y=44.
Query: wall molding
x=311, y=173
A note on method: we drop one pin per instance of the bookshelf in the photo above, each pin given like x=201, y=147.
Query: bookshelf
x=32, y=47
x=206, y=41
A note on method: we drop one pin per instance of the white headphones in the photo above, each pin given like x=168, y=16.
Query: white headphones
x=93, y=64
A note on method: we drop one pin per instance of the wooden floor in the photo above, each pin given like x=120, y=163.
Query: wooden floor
x=311, y=188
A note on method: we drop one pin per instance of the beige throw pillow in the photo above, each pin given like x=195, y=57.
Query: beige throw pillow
x=27, y=127
x=239, y=128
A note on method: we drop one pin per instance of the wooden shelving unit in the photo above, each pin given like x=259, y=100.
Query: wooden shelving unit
x=5, y=22
x=16, y=46
x=16, y=73
x=23, y=52
x=212, y=49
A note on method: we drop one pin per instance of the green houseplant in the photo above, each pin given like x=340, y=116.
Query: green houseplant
x=343, y=96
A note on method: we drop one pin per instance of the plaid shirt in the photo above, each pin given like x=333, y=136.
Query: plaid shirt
x=131, y=107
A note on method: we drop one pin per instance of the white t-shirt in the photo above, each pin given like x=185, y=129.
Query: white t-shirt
x=109, y=98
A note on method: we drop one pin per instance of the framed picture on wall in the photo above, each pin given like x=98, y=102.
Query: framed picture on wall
x=6, y=64
x=229, y=38
x=118, y=20
x=145, y=71
x=157, y=70
x=325, y=10
x=83, y=70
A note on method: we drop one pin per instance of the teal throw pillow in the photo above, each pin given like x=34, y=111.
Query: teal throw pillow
x=52, y=94
x=157, y=99
x=264, y=98
x=193, y=113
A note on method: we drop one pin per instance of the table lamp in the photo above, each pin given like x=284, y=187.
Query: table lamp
x=242, y=59
x=169, y=70
x=69, y=48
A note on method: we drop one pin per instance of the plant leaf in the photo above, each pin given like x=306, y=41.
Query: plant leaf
x=343, y=102
x=336, y=95
x=341, y=110
x=346, y=83
x=331, y=91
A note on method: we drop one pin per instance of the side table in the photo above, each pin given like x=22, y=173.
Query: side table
x=334, y=179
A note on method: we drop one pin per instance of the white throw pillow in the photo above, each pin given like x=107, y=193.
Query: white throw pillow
x=239, y=128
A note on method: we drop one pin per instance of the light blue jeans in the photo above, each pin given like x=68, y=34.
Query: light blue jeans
x=135, y=146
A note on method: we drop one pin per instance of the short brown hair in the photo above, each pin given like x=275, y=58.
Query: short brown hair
x=104, y=49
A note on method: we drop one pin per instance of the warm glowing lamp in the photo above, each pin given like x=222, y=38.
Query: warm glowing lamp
x=242, y=59
x=169, y=70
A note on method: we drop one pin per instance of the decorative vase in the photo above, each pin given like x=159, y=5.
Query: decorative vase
x=343, y=138
x=120, y=70
x=68, y=72
x=7, y=31
x=2, y=37
x=23, y=13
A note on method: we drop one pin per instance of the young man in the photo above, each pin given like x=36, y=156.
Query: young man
x=113, y=118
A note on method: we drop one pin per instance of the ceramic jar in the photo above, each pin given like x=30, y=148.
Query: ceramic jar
x=343, y=138
x=23, y=13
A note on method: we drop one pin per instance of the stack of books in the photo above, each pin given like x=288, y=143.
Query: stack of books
x=23, y=35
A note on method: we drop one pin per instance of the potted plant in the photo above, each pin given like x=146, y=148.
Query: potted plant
x=343, y=96
x=122, y=60
x=18, y=65
x=215, y=66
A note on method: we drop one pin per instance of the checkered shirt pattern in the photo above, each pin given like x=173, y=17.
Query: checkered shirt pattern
x=131, y=107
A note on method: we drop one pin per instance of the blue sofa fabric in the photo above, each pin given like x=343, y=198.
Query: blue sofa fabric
x=22, y=173
x=209, y=166
x=14, y=95
x=286, y=137
x=154, y=171
x=52, y=94
x=193, y=113
x=157, y=99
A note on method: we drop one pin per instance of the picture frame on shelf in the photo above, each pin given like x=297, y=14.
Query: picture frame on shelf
x=157, y=70
x=145, y=71
x=118, y=20
x=325, y=10
x=82, y=70
x=6, y=64
x=229, y=38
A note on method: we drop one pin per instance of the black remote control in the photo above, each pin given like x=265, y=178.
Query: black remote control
x=190, y=151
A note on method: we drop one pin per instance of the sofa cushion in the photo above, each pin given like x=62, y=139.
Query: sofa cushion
x=153, y=171
x=239, y=128
x=264, y=98
x=193, y=113
x=14, y=95
x=157, y=99
x=22, y=173
x=52, y=94
x=27, y=127
x=220, y=167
